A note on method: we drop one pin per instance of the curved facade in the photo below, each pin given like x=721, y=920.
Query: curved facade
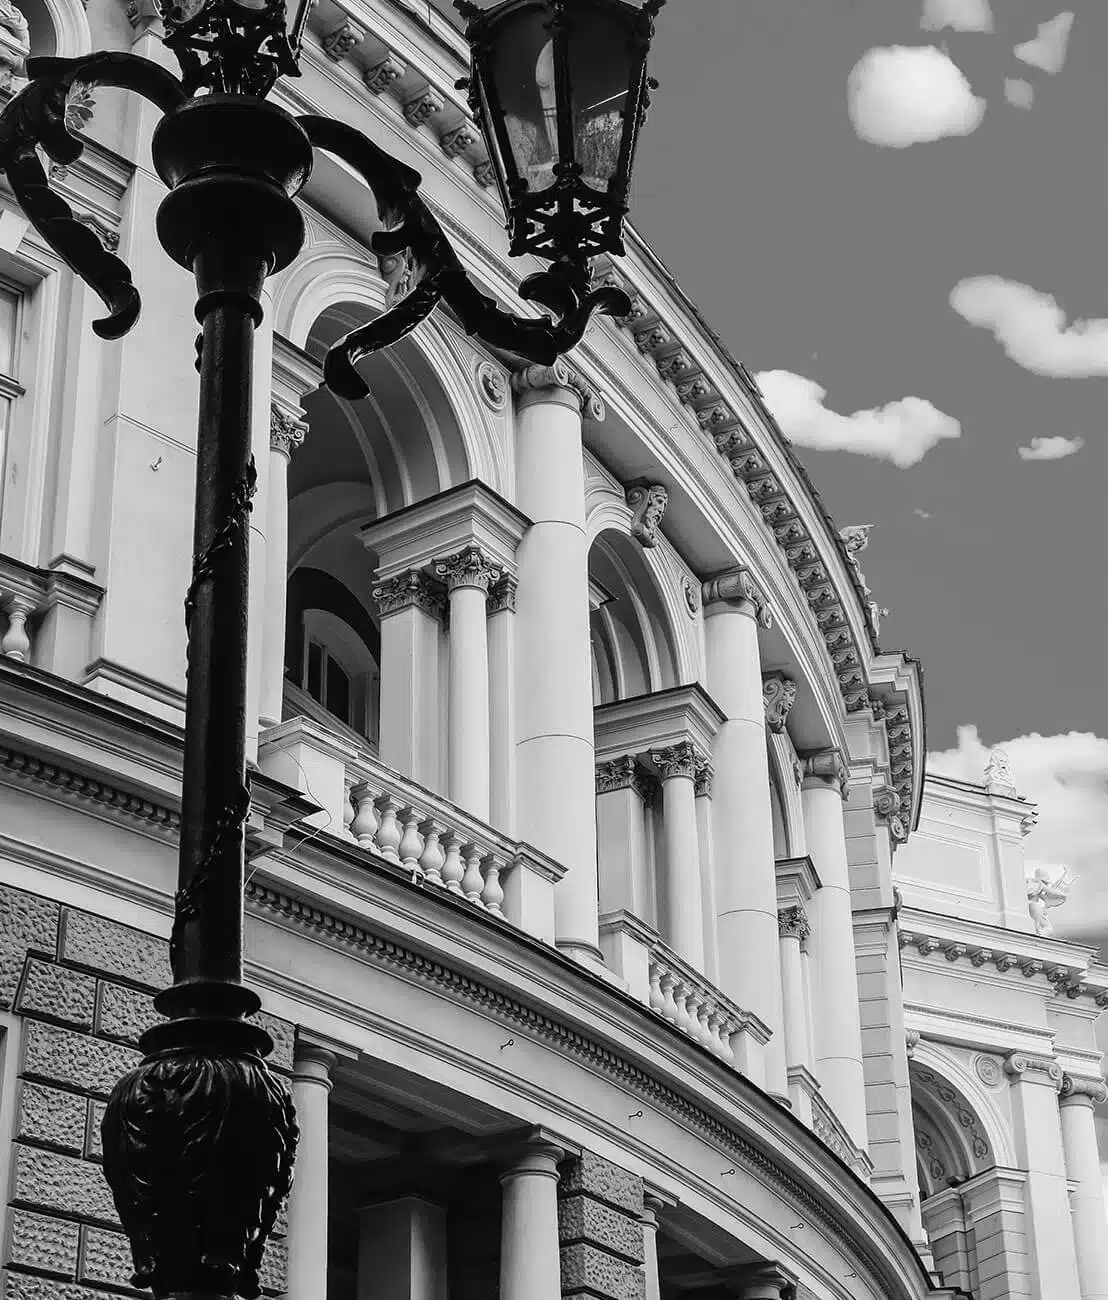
x=579, y=768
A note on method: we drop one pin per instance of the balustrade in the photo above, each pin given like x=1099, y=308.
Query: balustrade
x=833, y=1134
x=687, y=1000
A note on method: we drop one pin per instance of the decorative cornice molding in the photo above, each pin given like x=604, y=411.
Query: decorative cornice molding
x=286, y=431
x=1034, y=1069
x=1092, y=1092
x=778, y=697
x=826, y=768
x=469, y=567
x=681, y=759
x=560, y=375
x=737, y=587
x=792, y=923
x=836, y=1218
x=648, y=501
x=381, y=75
x=406, y=590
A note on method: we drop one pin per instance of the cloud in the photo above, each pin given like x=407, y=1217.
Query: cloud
x=902, y=95
x=1019, y=93
x=1051, y=448
x=961, y=15
x=1067, y=776
x=1048, y=49
x=1031, y=327
x=921, y=514
x=903, y=432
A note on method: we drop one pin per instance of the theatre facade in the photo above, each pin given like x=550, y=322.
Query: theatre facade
x=581, y=782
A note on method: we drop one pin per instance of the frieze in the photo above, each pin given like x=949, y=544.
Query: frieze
x=388, y=952
x=648, y=501
x=1067, y=980
x=778, y=698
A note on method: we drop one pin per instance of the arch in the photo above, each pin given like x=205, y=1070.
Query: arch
x=57, y=27
x=788, y=811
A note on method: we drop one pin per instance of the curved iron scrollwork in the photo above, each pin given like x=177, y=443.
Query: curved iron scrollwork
x=37, y=117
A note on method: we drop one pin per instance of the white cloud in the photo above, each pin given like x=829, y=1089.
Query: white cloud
x=1048, y=49
x=921, y=514
x=1067, y=776
x=961, y=15
x=1031, y=327
x=903, y=432
x=1019, y=93
x=1051, y=448
x=902, y=95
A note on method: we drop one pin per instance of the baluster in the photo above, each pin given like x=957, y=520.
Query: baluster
x=715, y=1022
x=657, y=1001
x=703, y=1033
x=681, y=994
x=411, y=843
x=452, y=869
x=433, y=857
x=16, y=644
x=727, y=1027
x=348, y=809
x=389, y=833
x=473, y=883
x=493, y=894
x=365, y=823
x=669, y=1006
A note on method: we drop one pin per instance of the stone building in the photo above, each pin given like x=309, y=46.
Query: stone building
x=579, y=775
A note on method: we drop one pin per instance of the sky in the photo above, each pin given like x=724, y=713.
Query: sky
x=893, y=211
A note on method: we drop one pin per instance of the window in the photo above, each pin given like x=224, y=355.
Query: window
x=9, y=385
x=339, y=673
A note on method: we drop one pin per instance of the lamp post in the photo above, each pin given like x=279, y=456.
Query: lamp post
x=199, y=1139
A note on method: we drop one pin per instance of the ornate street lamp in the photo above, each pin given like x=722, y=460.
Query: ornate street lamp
x=199, y=1139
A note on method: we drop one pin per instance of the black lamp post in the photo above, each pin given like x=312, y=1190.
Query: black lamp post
x=199, y=1139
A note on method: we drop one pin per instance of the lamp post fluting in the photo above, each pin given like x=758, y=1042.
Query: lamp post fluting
x=199, y=1139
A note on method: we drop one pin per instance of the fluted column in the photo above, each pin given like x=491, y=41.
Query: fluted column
x=1083, y=1168
x=746, y=891
x=555, y=753
x=794, y=930
x=677, y=766
x=286, y=433
x=838, y=1026
x=530, y=1267
x=705, y=776
x=307, y=1239
x=468, y=576
x=650, y=1208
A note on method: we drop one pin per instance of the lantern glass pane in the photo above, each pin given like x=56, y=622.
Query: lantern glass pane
x=522, y=68
x=600, y=68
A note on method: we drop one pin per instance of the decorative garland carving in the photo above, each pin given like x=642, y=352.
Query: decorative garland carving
x=967, y=1119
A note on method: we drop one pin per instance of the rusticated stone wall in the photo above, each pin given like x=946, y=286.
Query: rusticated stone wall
x=600, y=1230
x=83, y=986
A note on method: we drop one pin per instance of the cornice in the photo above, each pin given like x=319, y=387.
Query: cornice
x=648, y=723
x=834, y=1215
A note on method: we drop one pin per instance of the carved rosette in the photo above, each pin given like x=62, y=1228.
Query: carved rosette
x=648, y=501
x=502, y=595
x=778, y=697
x=792, y=923
x=828, y=768
x=1034, y=1069
x=286, y=432
x=691, y=591
x=705, y=775
x=406, y=590
x=677, y=760
x=492, y=385
x=1091, y=1092
x=738, y=588
x=469, y=567
x=198, y=1143
x=560, y=375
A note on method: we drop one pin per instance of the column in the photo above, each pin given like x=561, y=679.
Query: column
x=554, y=725
x=766, y=1282
x=307, y=1240
x=1083, y=1168
x=410, y=608
x=623, y=787
x=703, y=787
x=1034, y=1085
x=838, y=1025
x=650, y=1209
x=530, y=1266
x=677, y=766
x=501, y=610
x=746, y=889
x=286, y=433
x=468, y=576
x=793, y=927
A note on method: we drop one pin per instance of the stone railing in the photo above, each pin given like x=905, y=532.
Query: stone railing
x=828, y=1128
x=687, y=1000
x=365, y=802
x=31, y=597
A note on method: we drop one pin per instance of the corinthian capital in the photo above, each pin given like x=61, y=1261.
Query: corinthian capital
x=560, y=375
x=778, y=697
x=676, y=760
x=1093, y=1092
x=286, y=432
x=792, y=923
x=828, y=768
x=470, y=567
x=705, y=775
x=738, y=588
x=406, y=590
